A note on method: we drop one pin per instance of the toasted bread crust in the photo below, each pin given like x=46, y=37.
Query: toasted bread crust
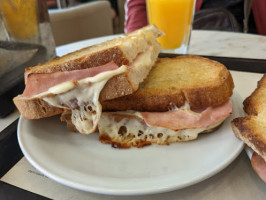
x=202, y=92
x=113, y=50
x=35, y=108
x=95, y=59
x=255, y=103
x=251, y=131
x=252, y=128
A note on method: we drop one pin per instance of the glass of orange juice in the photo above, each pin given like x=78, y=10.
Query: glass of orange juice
x=20, y=19
x=174, y=18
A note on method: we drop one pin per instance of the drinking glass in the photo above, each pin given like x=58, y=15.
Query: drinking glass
x=174, y=18
x=26, y=37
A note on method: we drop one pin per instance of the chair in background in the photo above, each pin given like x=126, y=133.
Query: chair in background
x=119, y=21
x=81, y=22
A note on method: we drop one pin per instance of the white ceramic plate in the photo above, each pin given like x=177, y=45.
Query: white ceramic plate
x=84, y=163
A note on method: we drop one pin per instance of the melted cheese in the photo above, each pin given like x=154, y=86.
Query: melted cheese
x=82, y=97
x=136, y=130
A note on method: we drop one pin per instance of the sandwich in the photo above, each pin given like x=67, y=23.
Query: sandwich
x=80, y=81
x=180, y=98
x=252, y=128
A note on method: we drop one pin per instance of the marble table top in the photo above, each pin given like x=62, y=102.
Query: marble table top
x=228, y=44
x=212, y=43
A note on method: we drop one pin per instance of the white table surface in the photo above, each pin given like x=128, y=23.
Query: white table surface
x=238, y=180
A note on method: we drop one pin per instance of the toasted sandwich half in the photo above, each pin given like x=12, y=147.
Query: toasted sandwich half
x=180, y=98
x=252, y=128
x=81, y=80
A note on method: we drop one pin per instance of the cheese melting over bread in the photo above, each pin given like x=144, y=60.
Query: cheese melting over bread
x=82, y=97
x=129, y=128
x=133, y=131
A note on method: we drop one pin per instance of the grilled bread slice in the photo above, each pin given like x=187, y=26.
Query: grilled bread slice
x=173, y=81
x=139, y=46
x=256, y=102
x=252, y=128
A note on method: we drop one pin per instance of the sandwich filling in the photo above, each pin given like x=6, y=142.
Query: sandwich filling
x=38, y=83
x=82, y=97
x=259, y=165
x=130, y=128
x=187, y=119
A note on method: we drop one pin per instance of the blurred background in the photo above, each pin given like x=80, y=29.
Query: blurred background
x=108, y=17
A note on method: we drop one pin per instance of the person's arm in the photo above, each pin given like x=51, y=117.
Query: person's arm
x=135, y=15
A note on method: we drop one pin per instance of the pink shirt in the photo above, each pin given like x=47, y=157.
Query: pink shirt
x=136, y=16
x=259, y=13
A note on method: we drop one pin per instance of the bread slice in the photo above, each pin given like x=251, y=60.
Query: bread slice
x=122, y=51
x=256, y=102
x=173, y=81
x=252, y=128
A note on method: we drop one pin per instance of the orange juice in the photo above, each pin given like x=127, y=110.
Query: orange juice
x=174, y=18
x=20, y=18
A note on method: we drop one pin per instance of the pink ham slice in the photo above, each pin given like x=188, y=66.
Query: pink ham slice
x=181, y=119
x=259, y=165
x=41, y=82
